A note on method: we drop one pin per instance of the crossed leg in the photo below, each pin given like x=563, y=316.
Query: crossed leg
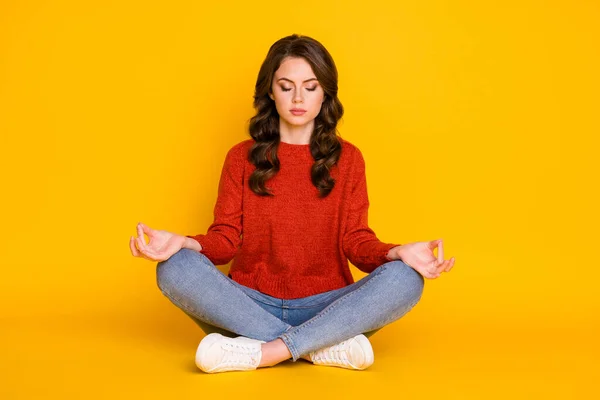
x=218, y=304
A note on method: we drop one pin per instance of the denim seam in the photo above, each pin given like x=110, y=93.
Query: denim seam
x=312, y=306
x=291, y=307
x=177, y=301
x=412, y=305
x=391, y=319
x=287, y=337
x=261, y=301
x=319, y=304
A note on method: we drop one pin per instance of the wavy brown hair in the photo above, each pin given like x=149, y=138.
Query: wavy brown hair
x=325, y=146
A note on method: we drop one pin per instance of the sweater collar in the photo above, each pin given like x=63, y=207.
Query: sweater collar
x=294, y=149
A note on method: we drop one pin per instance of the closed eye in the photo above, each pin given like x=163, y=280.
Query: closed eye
x=309, y=89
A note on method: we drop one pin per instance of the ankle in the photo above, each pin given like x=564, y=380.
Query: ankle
x=267, y=359
x=273, y=353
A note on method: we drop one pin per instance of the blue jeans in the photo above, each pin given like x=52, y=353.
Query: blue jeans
x=219, y=304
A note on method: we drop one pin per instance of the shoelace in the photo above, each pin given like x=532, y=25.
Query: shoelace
x=337, y=354
x=238, y=354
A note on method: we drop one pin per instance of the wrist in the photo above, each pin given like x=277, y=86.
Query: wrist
x=191, y=243
x=394, y=253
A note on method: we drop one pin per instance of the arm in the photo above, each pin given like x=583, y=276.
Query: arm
x=361, y=245
x=222, y=240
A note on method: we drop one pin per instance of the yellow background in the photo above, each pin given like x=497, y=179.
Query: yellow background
x=478, y=122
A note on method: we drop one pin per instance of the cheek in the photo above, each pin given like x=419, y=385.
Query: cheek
x=319, y=102
x=280, y=102
x=320, y=97
x=281, y=97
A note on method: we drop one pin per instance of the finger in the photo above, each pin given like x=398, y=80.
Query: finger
x=141, y=240
x=135, y=251
x=433, y=275
x=451, y=264
x=446, y=266
x=439, y=271
x=144, y=250
x=140, y=231
x=440, y=251
x=443, y=266
x=147, y=230
x=432, y=267
x=151, y=255
x=437, y=265
x=436, y=269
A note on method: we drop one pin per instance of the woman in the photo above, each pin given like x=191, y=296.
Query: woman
x=289, y=292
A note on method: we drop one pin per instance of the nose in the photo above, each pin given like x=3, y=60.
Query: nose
x=298, y=97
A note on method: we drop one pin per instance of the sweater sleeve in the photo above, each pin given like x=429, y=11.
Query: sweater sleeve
x=222, y=240
x=361, y=245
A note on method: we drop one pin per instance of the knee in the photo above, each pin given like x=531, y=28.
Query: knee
x=405, y=279
x=173, y=271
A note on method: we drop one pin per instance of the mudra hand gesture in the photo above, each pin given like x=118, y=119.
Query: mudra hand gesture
x=162, y=244
x=420, y=257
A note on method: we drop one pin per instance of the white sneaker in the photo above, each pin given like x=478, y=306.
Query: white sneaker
x=250, y=339
x=353, y=353
x=218, y=353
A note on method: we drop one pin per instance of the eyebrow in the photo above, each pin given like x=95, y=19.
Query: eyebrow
x=286, y=79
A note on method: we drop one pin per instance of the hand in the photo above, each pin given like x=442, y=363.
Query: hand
x=162, y=244
x=420, y=257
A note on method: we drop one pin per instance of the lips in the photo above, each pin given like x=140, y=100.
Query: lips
x=297, y=111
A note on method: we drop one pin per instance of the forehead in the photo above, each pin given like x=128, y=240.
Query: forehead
x=294, y=69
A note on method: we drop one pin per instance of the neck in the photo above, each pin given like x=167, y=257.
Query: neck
x=295, y=134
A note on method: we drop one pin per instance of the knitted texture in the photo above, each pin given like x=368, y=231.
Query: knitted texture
x=293, y=244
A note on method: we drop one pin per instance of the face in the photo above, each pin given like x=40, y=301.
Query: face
x=295, y=86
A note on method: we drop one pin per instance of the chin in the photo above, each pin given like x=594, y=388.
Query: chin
x=298, y=121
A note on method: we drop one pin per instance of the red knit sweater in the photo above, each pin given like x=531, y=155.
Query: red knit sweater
x=293, y=244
